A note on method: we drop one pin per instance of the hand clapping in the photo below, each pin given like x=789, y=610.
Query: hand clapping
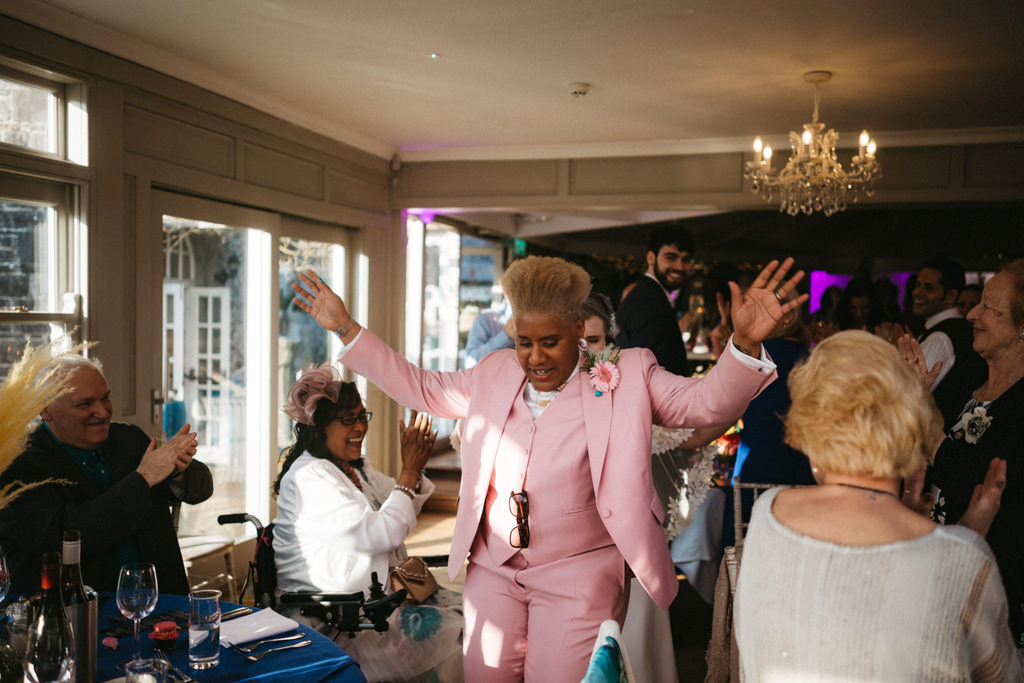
x=169, y=460
x=910, y=350
x=417, y=441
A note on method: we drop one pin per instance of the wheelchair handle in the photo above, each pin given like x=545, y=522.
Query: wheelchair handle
x=239, y=518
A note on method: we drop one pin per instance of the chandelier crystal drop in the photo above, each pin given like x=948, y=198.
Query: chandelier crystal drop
x=813, y=179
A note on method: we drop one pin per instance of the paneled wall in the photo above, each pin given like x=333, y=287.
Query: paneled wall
x=922, y=174
x=151, y=132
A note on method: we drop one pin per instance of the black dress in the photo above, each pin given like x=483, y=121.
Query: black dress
x=961, y=465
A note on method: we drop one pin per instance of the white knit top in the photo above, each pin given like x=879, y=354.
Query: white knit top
x=927, y=609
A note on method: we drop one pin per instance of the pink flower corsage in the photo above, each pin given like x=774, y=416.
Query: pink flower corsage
x=603, y=370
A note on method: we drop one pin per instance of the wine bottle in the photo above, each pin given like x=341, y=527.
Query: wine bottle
x=50, y=654
x=77, y=607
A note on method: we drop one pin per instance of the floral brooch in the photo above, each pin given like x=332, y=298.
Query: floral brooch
x=977, y=421
x=603, y=370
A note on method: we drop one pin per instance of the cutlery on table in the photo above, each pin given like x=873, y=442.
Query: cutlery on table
x=246, y=649
x=237, y=612
x=261, y=655
x=175, y=671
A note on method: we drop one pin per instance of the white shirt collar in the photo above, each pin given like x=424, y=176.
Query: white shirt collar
x=940, y=316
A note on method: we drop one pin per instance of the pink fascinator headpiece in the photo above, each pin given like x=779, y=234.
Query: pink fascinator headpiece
x=312, y=385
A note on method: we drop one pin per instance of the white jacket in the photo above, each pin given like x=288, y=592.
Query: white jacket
x=329, y=536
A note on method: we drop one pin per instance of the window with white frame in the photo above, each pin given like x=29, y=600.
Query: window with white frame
x=234, y=341
x=42, y=245
x=43, y=113
x=451, y=278
x=41, y=264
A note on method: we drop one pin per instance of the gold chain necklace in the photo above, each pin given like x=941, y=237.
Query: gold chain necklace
x=550, y=395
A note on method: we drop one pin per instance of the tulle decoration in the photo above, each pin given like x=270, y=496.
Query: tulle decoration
x=312, y=385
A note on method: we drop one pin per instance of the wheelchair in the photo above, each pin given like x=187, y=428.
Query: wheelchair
x=341, y=612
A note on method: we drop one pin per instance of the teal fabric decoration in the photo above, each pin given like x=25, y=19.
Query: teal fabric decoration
x=606, y=666
x=420, y=622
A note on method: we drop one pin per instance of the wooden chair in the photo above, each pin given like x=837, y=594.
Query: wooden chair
x=203, y=556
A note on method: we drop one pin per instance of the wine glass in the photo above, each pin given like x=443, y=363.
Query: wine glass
x=136, y=595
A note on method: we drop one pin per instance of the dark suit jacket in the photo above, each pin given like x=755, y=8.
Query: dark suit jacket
x=35, y=521
x=646, y=320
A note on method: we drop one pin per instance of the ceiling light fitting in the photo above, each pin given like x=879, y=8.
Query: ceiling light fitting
x=579, y=89
x=813, y=179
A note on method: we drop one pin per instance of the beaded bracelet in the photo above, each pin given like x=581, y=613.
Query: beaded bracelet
x=406, y=490
x=344, y=329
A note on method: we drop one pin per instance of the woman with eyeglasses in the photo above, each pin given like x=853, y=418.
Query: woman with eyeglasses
x=338, y=520
x=557, y=506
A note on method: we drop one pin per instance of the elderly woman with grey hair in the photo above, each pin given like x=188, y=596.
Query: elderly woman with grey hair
x=843, y=581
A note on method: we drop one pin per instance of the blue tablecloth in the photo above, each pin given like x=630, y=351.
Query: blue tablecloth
x=321, y=661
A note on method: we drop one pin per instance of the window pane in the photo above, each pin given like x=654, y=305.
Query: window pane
x=28, y=116
x=206, y=370
x=441, y=304
x=301, y=341
x=27, y=256
x=13, y=338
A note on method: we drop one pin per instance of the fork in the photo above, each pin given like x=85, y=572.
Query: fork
x=246, y=649
x=261, y=655
x=175, y=671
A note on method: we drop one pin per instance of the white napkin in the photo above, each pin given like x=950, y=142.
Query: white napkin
x=266, y=623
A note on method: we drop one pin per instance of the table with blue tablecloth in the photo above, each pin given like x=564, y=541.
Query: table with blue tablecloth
x=321, y=661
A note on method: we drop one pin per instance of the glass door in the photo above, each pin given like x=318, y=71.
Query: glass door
x=217, y=344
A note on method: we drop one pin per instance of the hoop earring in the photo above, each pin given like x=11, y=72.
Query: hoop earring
x=583, y=344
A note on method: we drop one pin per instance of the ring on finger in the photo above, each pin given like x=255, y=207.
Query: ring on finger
x=779, y=297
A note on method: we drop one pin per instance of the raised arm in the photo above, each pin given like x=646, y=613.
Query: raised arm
x=327, y=308
x=756, y=311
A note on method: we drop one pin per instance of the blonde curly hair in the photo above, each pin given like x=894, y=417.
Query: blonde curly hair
x=542, y=284
x=859, y=409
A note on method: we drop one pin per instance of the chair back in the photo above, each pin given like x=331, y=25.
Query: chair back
x=737, y=502
x=609, y=662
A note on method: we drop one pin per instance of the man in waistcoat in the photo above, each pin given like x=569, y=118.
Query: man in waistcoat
x=947, y=336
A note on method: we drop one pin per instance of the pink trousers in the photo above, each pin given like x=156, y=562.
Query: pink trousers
x=539, y=623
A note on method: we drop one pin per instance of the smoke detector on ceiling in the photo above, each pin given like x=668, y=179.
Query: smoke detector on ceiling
x=579, y=89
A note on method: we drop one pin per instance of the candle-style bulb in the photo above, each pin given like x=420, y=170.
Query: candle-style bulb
x=758, y=144
x=871, y=148
x=864, y=138
x=767, y=152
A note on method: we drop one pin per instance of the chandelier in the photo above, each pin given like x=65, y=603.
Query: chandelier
x=813, y=179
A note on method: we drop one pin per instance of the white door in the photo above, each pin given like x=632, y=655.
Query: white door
x=208, y=387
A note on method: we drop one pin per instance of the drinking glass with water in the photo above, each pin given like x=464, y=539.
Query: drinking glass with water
x=204, y=629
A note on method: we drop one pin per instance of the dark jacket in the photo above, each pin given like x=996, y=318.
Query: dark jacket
x=35, y=521
x=646, y=319
x=968, y=373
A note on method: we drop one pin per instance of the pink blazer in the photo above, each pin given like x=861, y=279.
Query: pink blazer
x=618, y=427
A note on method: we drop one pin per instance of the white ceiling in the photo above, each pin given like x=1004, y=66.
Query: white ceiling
x=667, y=75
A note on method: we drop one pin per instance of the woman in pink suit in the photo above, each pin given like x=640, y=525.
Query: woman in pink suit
x=557, y=507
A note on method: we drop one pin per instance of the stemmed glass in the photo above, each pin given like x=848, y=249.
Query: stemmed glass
x=136, y=595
